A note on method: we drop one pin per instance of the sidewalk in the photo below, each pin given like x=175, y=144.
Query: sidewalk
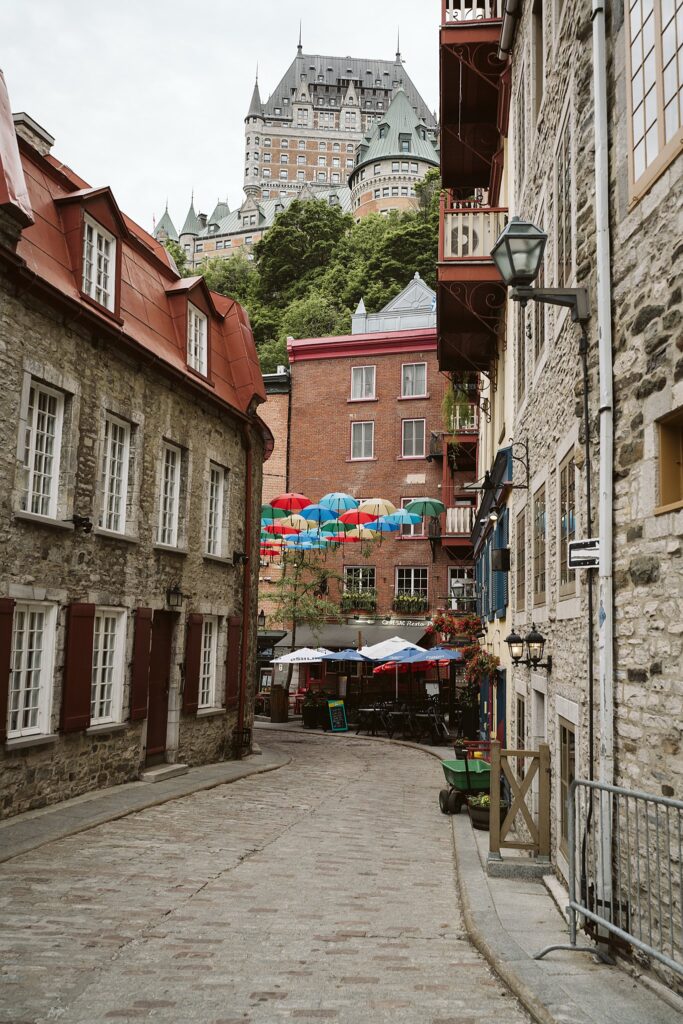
x=35, y=828
x=510, y=920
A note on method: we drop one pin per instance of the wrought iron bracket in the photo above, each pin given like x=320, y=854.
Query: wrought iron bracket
x=576, y=299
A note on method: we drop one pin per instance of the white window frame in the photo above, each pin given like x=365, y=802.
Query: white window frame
x=114, y=486
x=354, y=426
x=169, y=497
x=43, y=704
x=43, y=503
x=215, y=510
x=208, y=664
x=108, y=665
x=98, y=279
x=405, y=393
x=413, y=569
x=360, y=577
x=412, y=529
x=413, y=454
x=197, y=340
x=359, y=376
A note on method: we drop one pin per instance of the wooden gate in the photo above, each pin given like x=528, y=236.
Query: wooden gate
x=536, y=763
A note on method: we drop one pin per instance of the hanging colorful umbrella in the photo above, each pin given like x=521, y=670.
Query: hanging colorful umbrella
x=355, y=516
x=338, y=501
x=377, y=507
x=360, y=533
x=382, y=525
x=318, y=513
x=403, y=518
x=291, y=501
x=296, y=521
x=268, y=512
x=335, y=527
x=284, y=530
x=426, y=507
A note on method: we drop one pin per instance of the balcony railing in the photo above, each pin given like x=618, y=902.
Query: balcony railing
x=460, y=519
x=470, y=10
x=470, y=231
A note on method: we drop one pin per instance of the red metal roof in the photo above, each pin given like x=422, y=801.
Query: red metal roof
x=38, y=191
x=378, y=343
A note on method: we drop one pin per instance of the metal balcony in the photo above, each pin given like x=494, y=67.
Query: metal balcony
x=470, y=231
x=470, y=10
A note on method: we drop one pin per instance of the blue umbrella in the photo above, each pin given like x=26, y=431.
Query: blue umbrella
x=383, y=525
x=348, y=655
x=403, y=518
x=338, y=501
x=434, y=654
x=318, y=513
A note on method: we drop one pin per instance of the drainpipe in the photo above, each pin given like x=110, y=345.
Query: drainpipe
x=605, y=501
x=246, y=586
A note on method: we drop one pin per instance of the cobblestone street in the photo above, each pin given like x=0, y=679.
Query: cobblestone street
x=322, y=891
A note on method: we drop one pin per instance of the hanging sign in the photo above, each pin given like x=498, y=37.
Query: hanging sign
x=337, y=712
x=584, y=554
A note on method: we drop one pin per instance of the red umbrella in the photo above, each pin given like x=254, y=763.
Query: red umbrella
x=291, y=502
x=280, y=530
x=354, y=515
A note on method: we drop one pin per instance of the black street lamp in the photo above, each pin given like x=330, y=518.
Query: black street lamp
x=518, y=254
x=174, y=597
x=534, y=643
x=261, y=619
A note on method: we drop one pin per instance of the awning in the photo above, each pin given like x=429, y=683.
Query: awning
x=341, y=635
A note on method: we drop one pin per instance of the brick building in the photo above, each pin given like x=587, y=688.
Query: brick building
x=545, y=156
x=131, y=461
x=366, y=418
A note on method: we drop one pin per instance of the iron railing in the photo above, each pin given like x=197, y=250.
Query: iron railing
x=470, y=10
x=625, y=859
x=470, y=230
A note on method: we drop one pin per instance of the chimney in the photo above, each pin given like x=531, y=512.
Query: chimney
x=202, y=218
x=30, y=131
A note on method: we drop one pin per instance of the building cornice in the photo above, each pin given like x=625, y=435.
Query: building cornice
x=346, y=346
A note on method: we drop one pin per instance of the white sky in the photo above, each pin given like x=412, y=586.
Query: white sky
x=149, y=96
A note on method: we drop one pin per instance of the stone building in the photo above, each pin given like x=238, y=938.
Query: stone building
x=131, y=463
x=366, y=418
x=534, y=114
x=304, y=141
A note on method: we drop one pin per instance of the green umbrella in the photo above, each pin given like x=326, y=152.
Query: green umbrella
x=268, y=512
x=334, y=526
x=426, y=507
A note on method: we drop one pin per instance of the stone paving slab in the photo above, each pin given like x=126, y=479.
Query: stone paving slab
x=322, y=892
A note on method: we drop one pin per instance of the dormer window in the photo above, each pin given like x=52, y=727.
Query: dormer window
x=196, y=339
x=99, y=263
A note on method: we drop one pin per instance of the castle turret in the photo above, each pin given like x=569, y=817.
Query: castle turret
x=253, y=125
x=165, y=229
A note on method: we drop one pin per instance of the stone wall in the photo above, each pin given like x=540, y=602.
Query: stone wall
x=49, y=560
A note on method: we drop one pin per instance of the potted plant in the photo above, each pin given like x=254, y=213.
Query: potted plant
x=359, y=600
x=479, y=808
x=410, y=603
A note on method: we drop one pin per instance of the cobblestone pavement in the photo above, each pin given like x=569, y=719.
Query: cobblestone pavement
x=322, y=891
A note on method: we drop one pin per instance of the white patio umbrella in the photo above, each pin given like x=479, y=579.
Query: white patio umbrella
x=385, y=648
x=301, y=656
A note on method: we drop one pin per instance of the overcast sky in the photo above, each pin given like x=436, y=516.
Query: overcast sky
x=149, y=96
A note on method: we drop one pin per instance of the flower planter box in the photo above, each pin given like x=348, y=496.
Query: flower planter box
x=480, y=816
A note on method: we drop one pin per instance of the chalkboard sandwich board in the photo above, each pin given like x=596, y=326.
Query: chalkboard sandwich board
x=337, y=711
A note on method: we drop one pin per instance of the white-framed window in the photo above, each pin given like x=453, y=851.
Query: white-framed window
x=42, y=449
x=362, y=382
x=215, y=506
x=363, y=440
x=284, y=158
x=197, y=339
x=564, y=206
x=413, y=439
x=412, y=580
x=209, y=663
x=540, y=540
x=413, y=380
x=567, y=532
x=359, y=577
x=30, y=688
x=114, y=474
x=99, y=263
x=412, y=529
x=169, y=503
x=108, y=659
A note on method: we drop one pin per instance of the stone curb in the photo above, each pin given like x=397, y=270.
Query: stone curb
x=103, y=817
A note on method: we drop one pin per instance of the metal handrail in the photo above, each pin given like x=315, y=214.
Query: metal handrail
x=466, y=11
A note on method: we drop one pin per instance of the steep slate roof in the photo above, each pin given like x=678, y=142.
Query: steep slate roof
x=268, y=209
x=221, y=210
x=147, y=320
x=192, y=225
x=385, y=139
x=362, y=71
x=255, y=107
x=166, y=224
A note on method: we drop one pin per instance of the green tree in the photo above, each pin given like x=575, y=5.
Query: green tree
x=314, y=316
x=179, y=256
x=234, y=277
x=300, y=242
x=272, y=354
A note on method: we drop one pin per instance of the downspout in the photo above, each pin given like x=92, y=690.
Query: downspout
x=246, y=588
x=606, y=484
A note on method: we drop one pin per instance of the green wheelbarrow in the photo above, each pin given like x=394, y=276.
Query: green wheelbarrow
x=466, y=777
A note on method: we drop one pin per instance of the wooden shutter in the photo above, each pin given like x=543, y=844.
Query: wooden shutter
x=6, y=617
x=139, y=673
x=77, y=676
x=193, y=663
x=232, y=661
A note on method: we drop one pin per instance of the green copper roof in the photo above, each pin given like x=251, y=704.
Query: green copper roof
x=166, y=227
x=255, y=107
x=192, y=225
x=398, y=126
x=222, y=210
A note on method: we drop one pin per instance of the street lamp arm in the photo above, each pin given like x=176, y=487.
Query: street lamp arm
x=575, y=298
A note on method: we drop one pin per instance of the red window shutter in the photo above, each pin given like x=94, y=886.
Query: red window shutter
x=77, y=678
x=193, y=661
x=6, y=617
x=139, y=673
x=232, y=661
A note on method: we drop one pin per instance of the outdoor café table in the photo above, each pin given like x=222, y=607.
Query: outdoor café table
x=400, y=719
x=368, y=720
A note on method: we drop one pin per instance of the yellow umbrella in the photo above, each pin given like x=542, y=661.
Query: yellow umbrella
x=362, y=533
x=377, y=507
x=296, y=521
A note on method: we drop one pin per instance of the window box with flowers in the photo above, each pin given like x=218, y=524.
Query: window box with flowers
x=359, y=600
x=410, y=603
